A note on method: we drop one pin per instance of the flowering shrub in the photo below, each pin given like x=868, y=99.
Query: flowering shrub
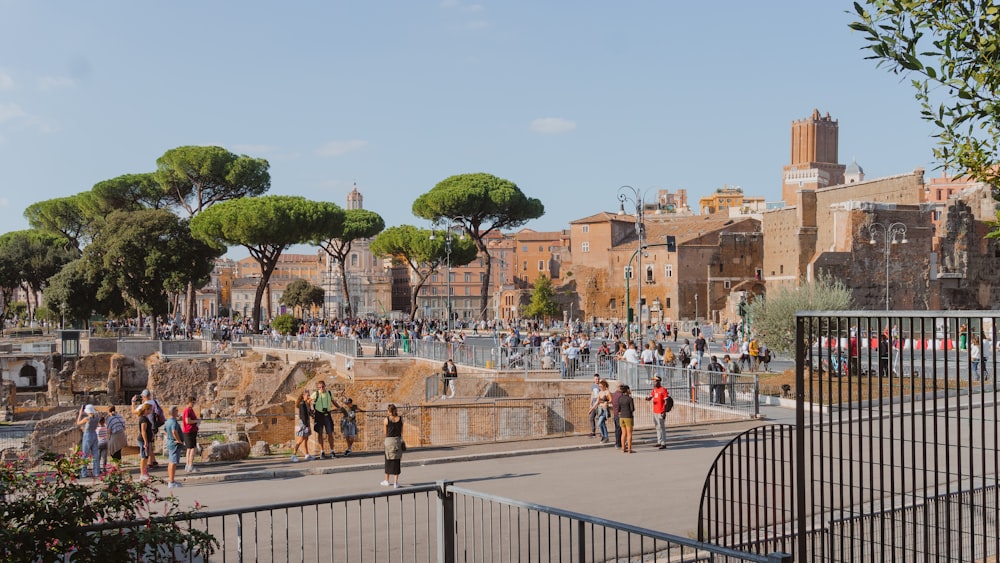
x=49, y=515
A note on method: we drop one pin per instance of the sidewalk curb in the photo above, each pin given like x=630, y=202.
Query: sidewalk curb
x=285, y=473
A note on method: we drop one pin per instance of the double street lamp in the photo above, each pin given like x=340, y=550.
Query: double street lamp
x=447, y=251
x=891, y=234
x=628, y=194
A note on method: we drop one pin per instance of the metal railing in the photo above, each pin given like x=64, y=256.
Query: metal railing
x=894, y=454
x=435, y=523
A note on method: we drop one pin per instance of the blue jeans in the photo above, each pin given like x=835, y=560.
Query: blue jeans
x=89, y=449
x=602, y=423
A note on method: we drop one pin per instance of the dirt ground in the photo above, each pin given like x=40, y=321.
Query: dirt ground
x=836, y=390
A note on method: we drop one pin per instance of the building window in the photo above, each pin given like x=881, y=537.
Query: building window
x=759, y=274
x=668, y=270
x=468, y=277
x=585, y=247
x=649, y=274
x=541, y=265
x=524, y=266
x=727, y=284
x=668, y=302
x=524, y=248
x=586, y=228
x=628, y=272
x=781, y=268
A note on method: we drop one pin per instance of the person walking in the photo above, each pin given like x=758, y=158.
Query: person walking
x=626, y=406
x=393, y=446
x=658, y=394
x=302, y=430
x=189, y=430
x=87, y=420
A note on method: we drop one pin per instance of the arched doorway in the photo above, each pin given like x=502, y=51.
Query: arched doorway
x=29, y=373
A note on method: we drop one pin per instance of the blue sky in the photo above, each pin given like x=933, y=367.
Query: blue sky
x=570, y=100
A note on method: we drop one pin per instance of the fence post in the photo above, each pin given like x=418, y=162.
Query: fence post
x=756, y=396
x=446, y=523
x=581, y=541
x=779, y=557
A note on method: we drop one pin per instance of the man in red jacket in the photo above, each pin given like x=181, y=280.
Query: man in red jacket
x=658, y=394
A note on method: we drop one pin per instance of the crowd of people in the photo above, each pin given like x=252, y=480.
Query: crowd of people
x=104, y=436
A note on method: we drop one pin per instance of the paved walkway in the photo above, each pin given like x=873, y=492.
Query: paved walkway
x=280, y=465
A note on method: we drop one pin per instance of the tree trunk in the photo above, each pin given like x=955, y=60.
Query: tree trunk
x=484, y=300
x=347, y=293
x=190, y=305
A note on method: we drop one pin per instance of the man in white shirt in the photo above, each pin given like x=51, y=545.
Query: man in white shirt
x=631, y=355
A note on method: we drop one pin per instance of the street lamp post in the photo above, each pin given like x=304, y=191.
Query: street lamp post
x=447, y=251
x=635, y=197
x=890, y=233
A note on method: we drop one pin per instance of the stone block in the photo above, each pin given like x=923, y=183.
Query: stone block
x=231, y=451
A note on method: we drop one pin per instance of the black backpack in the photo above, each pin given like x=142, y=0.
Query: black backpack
x=669, y=404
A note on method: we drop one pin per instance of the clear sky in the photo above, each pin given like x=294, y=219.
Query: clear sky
x=568, y=99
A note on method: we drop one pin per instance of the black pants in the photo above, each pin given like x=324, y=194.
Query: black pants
x=618, y=431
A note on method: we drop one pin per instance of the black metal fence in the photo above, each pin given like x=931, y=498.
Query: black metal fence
x=439, y=523
x=894, y=453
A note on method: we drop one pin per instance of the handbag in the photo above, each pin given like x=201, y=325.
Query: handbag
x=402, y=445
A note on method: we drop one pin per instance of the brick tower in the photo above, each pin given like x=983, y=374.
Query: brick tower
x=814, y=157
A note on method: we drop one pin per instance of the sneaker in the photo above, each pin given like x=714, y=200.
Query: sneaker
x=384, y=483
x=347, y=453
x=395, y=485
x=193, y=470
x=309, y=457
x=144, y=477
x=324, y=456
x=173, y=485
x=333, y=455
x=295, y=458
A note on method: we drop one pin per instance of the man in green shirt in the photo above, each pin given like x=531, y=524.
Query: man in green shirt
x=322, y=407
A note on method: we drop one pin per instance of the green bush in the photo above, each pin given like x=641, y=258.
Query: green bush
x=48, y=515
x=286, y=324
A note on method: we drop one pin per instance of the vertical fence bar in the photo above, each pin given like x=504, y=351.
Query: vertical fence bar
x=446, y=523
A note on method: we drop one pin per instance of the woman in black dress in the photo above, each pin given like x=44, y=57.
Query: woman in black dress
x=393, y=446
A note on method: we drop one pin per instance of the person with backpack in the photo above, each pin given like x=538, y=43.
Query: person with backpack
x=323, y=405
x=659, y=395
x=117, y=438
x=157, y=418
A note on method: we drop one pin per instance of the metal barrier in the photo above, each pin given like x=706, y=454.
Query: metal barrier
x=894, y=454
x=435, y=523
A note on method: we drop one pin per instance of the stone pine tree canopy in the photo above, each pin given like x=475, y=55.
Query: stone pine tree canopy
x=481, y=203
